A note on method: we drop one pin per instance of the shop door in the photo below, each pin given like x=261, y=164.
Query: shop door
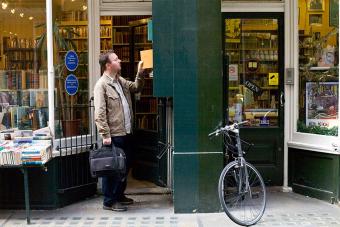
x=253, y=85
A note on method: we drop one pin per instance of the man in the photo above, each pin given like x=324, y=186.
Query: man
x=113, y=117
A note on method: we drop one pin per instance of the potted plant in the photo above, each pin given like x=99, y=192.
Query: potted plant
x=63, y=42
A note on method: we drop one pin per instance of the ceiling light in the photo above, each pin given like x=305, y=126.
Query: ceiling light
x=10, y=33
x=22, y=14
x=12, y=11
x=72, y=0
x=84, y=7
x=30, y=18
x=4, y=5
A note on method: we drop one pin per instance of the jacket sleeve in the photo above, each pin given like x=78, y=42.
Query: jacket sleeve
x=135, y=86
x=100, y=111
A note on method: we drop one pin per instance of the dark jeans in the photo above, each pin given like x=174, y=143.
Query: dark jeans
x=113, y=187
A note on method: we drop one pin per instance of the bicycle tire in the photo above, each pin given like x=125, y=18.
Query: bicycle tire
x=223, y=196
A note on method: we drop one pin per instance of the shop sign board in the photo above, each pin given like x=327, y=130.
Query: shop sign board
x=273, y=79
x=253, y=87
x=233, y=72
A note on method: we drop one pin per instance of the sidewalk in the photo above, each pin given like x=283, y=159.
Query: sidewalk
x=283, y=209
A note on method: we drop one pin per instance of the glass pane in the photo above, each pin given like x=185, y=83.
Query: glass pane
x=252, y=52
x=71, y=33
x=23, y=74
x=318, y=67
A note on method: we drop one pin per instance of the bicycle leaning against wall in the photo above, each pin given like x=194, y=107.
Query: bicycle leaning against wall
x=241, y=188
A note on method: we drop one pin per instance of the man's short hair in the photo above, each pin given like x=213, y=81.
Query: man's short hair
x=104, y=58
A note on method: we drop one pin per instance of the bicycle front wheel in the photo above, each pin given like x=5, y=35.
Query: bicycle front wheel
x=242, y=193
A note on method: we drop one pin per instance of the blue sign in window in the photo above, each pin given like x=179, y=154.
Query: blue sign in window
x=71, y=84
x=71, y=60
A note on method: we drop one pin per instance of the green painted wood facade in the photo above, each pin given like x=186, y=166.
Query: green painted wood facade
x=187, y=62
x=315, y=174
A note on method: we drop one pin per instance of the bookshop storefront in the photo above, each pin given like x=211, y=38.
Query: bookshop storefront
x=280, y=72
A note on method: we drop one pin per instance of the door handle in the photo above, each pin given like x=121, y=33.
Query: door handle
x=282, y=99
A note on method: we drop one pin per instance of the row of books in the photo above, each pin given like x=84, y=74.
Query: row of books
x=80, y=45
x=24, y=118
x=105, y=31
x=121, y=37
x=20, y=65
x=23, y=79
x=147, y=122
x=124, y=20
x=15, y=42
x=105, y=44
x=36, y=152
x=74, y=15
x=147, y=106
x=31, y=97
x=148, y=88
x=122, y=52
x=74, y=32
x=18, y=55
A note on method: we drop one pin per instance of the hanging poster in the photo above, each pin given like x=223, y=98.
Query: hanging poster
x=233, y=30
x=322, y=104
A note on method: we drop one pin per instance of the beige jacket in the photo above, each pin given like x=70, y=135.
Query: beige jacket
x=108, y=107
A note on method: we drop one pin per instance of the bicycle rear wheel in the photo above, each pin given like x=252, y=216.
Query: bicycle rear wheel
x=243, y=204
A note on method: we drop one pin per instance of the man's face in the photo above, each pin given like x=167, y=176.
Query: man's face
x=115, y=63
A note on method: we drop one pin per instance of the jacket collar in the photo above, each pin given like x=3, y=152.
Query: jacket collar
x=108, y=79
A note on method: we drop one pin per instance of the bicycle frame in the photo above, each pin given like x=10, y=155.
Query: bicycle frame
x=242, y=163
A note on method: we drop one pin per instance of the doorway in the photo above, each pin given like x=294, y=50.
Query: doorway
x=253, y=69
x=127, y=36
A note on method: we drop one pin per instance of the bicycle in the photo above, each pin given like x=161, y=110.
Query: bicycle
x=241, y=188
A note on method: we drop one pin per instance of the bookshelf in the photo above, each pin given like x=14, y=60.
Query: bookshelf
x=23, y=86
x=124, y=39
x=146, y=107
x=129, y=37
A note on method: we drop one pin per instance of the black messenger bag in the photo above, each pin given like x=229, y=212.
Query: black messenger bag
x=108, y=160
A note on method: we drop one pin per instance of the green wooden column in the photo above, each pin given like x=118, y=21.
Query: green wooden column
x=191, y=51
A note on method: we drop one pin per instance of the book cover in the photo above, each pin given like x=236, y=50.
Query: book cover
x=32, y=98
x=25, y=98
x=23, y=120
x=41, y=98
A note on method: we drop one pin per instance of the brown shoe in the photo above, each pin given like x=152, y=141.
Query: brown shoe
x=125, y=200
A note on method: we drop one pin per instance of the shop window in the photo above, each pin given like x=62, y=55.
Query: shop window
x=23, y=66
x=70, y=32
x=318, y=67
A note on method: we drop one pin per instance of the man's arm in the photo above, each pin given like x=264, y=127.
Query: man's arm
x=100, y=112
x=135, y=86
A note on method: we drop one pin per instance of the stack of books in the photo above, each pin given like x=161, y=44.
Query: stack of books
x=25, y=151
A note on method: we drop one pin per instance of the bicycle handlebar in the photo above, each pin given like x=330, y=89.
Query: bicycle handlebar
x=226, y=128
